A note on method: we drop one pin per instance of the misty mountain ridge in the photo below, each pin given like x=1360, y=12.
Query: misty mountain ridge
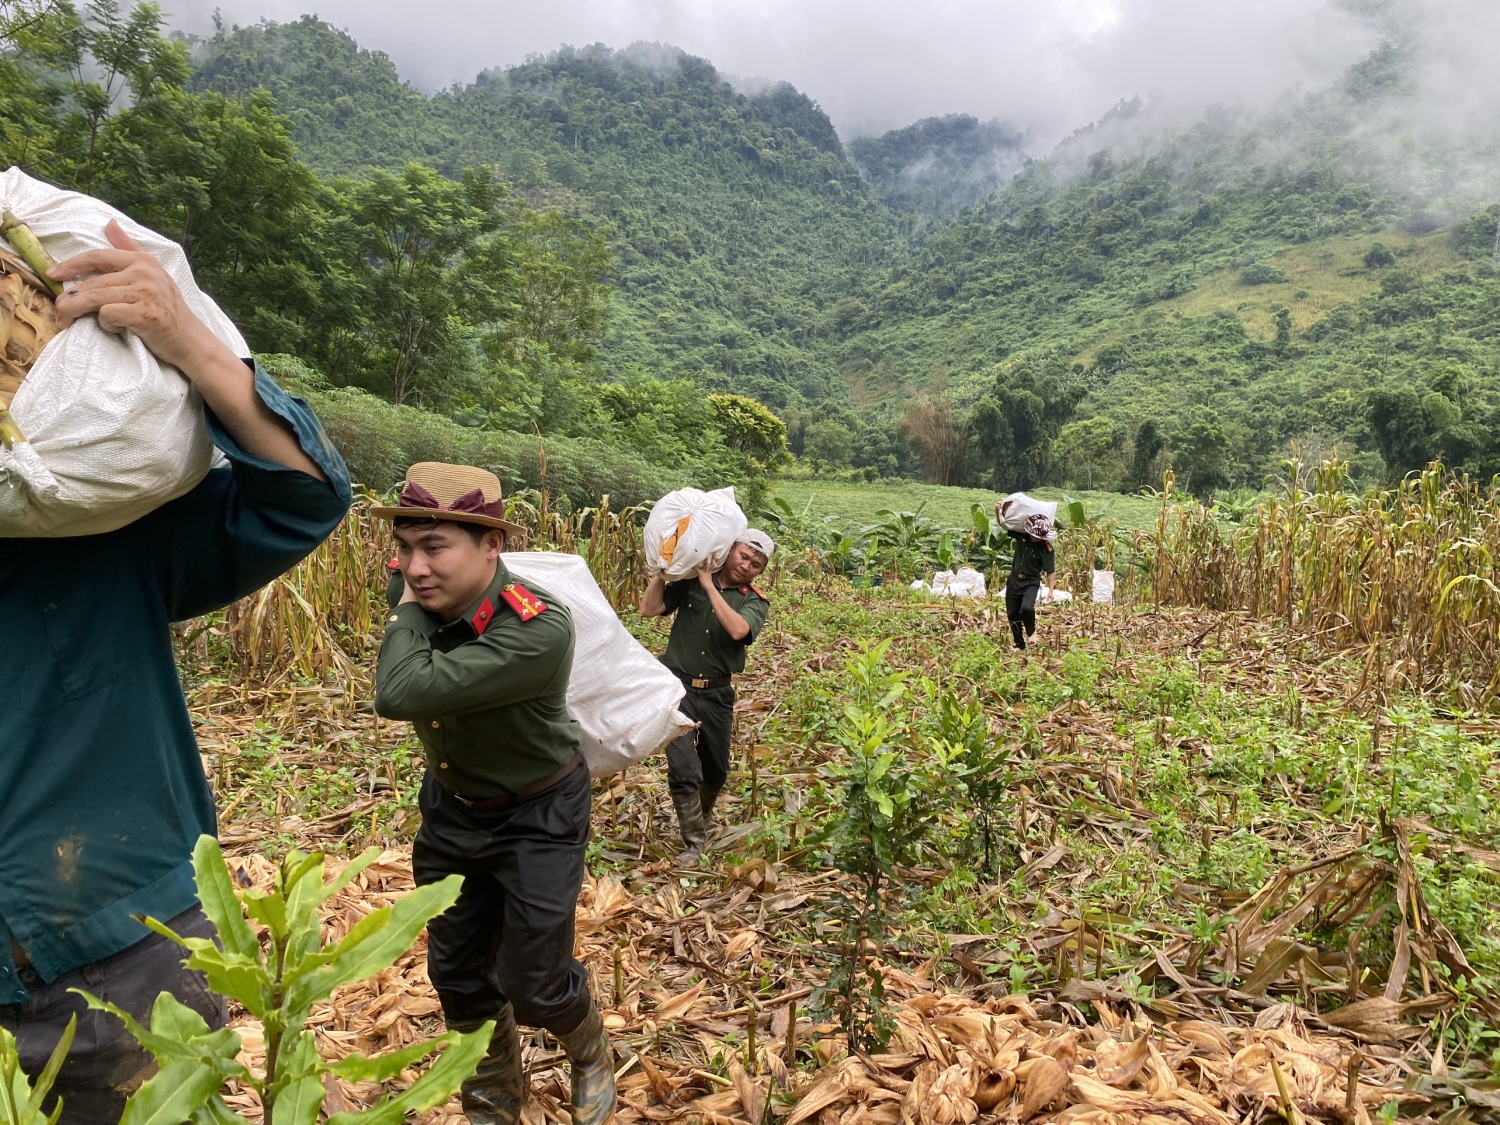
x=754, y=251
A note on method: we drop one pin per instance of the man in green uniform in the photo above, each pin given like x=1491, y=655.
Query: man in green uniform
x=480, y=665
x=1033, y=558
x=719, y=614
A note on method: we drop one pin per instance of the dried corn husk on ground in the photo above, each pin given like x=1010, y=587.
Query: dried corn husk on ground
x=954, y=1059
x=27, y=324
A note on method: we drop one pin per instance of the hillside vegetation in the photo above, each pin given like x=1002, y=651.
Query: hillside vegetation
x=1211, y=281
x=581, y=246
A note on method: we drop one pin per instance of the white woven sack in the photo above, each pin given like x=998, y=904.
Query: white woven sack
x=623, y=697
x=966, y=583
x=1104, y=586
x=111, y=433
x=1016, y=508
x=704, y=525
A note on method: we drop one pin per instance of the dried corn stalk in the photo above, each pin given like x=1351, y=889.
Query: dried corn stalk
x=28, y=322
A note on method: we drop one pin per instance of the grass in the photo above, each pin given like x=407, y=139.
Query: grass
x=1329, y=273
x=949, y=506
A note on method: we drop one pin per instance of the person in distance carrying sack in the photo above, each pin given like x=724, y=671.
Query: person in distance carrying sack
x=1033, y=558
x=480, y=665
x=102, y=789
x=719, y=614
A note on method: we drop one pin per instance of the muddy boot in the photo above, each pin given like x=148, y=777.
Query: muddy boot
x=707, y=795
x=593, y=1066
x=496, y=1092
x=690, y=823
x=1018, y=635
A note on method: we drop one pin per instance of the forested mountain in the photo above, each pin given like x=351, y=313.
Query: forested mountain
x=581, y=246
x=1211, y=281
x=940, y=165
x=736, y=222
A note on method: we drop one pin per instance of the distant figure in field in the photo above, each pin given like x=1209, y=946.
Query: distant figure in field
x=1033, y=558
x=718, y=615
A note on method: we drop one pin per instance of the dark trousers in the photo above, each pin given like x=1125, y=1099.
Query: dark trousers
x=105, y=1063
x=1020, y=601
x=701, y=757
x=509, y=937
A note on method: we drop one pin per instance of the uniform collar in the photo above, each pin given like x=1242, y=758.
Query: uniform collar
x=480, y=613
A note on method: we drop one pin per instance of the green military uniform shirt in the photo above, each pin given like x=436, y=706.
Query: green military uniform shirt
x=698, y=644
x=487, y=692
x=1032, y=559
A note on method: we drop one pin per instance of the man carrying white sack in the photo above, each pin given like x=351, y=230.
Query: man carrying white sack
x=102, y=790
x=719, y=615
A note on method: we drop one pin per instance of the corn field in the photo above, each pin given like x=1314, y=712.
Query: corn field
x=1410, y=575
x=320, y=620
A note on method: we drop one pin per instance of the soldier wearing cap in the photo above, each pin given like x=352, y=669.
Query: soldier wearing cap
x=1033, y=559
x=718, y=615
x=480, y=665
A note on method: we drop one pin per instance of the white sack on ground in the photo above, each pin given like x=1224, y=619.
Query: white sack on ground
x=689, y=527
x=1016, y=508
x=1056, y=597
x=623, y=697
x=111, y=434
x=965, y=583
x=1104, y=586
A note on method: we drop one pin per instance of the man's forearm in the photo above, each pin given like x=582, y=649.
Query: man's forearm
x=654, y=601
x=735, y=625
x=227, y=385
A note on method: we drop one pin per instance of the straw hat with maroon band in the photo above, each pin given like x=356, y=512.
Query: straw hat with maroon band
x=462, y=493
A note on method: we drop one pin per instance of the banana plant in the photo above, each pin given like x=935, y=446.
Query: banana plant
x=20, y=1100
x=278, y=982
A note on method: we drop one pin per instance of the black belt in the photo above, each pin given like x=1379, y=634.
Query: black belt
x=699, y=683
x=488, y=804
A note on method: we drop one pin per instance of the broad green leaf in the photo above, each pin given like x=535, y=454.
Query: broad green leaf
x=298, y=1058
x=379, y=1068
x=1076, y=515
x=435, y=1087
x=178, y=1090
x=302, y=911
x=269, y=909
x=172, y=1018
x=215, y=1050
x=232, y=975
x=377, y=949
x=215, y=1113
x=220, y=903
x=298, y=1102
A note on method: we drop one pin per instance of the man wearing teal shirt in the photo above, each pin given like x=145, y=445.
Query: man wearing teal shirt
x=102, y=790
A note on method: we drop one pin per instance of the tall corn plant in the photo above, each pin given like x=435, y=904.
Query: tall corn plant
x=1410, y=574
x=318, y=619
x=278, y=983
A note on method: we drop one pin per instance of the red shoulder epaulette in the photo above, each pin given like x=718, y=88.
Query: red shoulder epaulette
x=526, y=604
x=482, y=617
x=394, y=564
x=750, y=587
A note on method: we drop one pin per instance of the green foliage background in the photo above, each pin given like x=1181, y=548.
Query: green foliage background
x=597, y=246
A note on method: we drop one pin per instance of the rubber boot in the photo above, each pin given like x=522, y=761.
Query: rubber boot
x=593, y=1066
x=1018, y=635
x=690, y=823
x=496, y=1092
x=707, y=795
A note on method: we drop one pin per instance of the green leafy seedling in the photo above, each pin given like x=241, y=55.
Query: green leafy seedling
x=278, y=982
x=20, y=1100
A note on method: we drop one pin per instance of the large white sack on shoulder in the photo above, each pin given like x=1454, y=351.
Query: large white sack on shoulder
x=111, y=433
x=689, y=527
x=1104, y=586
x=623, y=697
x=1016, y=508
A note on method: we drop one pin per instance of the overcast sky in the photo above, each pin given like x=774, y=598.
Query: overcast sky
x=1048, y=66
